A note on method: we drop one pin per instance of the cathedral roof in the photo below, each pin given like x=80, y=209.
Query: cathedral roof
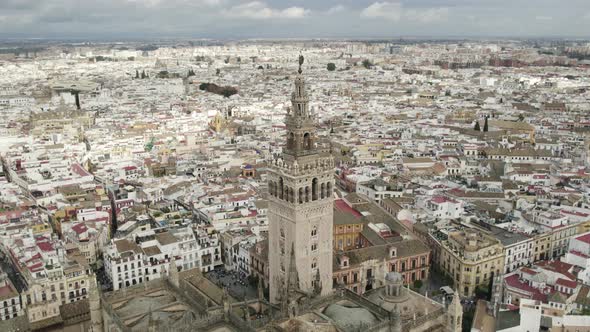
x=352, y=318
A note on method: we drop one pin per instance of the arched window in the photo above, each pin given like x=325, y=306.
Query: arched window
x=281, y=188
x=300, y=196
x=307, y=194
x=307, y=141
x=291, y=141
x=292, y=195
x=323, y=191
x=329, y=189
x=314, y=230
x=314, y=189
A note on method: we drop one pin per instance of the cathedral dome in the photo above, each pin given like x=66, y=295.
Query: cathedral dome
x=393, y=277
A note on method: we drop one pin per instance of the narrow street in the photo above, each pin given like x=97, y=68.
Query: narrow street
x=13, y=275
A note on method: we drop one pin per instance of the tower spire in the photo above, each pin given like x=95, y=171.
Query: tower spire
x=95, y=306
x=455, y=314
x=293, y=276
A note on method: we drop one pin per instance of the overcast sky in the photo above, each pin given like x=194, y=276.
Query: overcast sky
x=293, y=19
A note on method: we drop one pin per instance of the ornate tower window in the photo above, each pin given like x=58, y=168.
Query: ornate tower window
x=314, y=231
x=307, y=141
x=314, y=189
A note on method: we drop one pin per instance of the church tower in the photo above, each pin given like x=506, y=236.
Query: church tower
x=300, y=212
x=455, y=314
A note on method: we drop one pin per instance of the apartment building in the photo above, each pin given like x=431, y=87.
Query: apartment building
x=471, y=258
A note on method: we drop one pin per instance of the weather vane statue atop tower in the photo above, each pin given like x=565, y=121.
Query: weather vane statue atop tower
x=300, y=63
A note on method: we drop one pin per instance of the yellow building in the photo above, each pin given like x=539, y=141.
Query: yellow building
x=347, y=231
x=67, y=283
x=471, y=258
x=41, y=228
x=583, y=227
x=542, y=247
x=369, y=153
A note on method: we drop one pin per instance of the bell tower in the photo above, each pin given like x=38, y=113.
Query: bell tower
x=300, y=186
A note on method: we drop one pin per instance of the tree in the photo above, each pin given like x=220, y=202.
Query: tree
x=331, y=66
x=163, y=74
x=485, y=125
x=482, y=292
x=367, y=63
x=476, y=128
x=417, y=284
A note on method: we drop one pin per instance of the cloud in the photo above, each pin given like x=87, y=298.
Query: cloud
x=427, y=15
x=395, y=11
x=326, y=19
x=335, y=10
x=543, y=18
x=257, y=10
x=388, y=10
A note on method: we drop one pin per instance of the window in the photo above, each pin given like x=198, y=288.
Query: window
x=314, y=247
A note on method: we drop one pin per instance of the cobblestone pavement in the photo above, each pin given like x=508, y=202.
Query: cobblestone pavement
x=238, y=286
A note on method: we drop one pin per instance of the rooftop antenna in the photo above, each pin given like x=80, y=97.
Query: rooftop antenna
x=300, y=63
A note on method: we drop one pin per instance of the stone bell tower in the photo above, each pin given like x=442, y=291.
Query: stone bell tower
x=300, y=185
